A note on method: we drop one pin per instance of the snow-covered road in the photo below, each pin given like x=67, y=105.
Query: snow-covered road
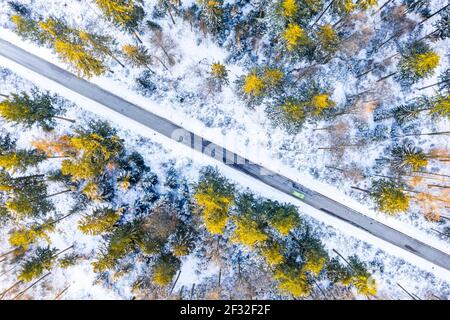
x=173, y=131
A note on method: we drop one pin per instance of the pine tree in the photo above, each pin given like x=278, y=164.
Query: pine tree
x=248, y=232
x=219, y=74
x=38, y=108
x=292, y=281
x=85, y=52
x=408, y=157
x=28, y=198
x=24, y=237
x=366, y=4
x=294, y=113
x=319, y=103
x=165, y=268
x=82, y=61
x=102, y=220
x=253, y=85
x=127, y=14
x=121, y=241
x=418, y=61
x=327, y=42
x=213, y=197
x=438, y=106
x=343, y=7
x=289, y=8
x=212, y=14
x=441, y=106
x=138, y=56
x=282, y=217
x=273, y=253
x=295, y=37
x=43, y=259
x=27, y=28
x=94, y=149
x=389, y=197
x=20, y=160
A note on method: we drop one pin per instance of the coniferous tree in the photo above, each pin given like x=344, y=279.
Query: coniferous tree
x=248, y=231
x=102, y=220
x=20, y=160
x=213, y=197
x=24, y=237
x=327, y=42
x=418, y=61
x=27, y=28
x=165, y=268
x=138, y=56
x=127, y=14
x=38, y=108
x=212, y=14
x=292, y=281
x=94, y=148
x=27, y=197
x=408, y=157
x=43, y=259
x=389, y=197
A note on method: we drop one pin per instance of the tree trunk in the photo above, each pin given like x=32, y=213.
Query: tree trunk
x=137, y=36
x=339, y=147
x=321, y=15
x=31, y=286
x=365, y=72
x=28, y=177
x=4, y=95
x=433, y=174
x=160, y=61
x=8, y=253
x=409, y=294
x=62, y=251
x=437, y=12
x=432, y=85
x=175, y=283
x=363, y=190
x=61, y=293
x=2, y=295
x=388, y=76
x=428, y=35
x=7, y=271
x=438, y=186
x=65, y=119
x=57, y=193
x=192, y=291
x=425, y=134
x=62, y=218
x=343, y=258
x=334, y=168
x=169, y=11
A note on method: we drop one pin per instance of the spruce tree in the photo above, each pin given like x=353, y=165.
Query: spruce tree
x=418, y=61
x=39, y=108
x=389, y=197
x=408, y=157
x=213, y=197
x=42, y=259
x=165, y=268
x=102, y=220
x=127, y=14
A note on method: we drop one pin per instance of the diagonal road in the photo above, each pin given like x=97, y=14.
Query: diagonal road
x=175, y=132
